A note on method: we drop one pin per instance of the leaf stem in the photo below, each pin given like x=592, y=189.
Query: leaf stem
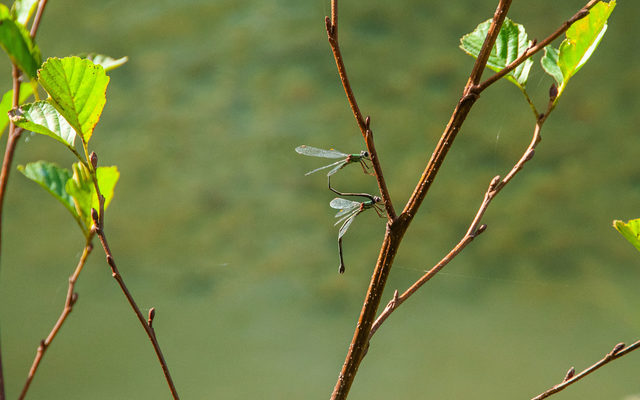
x=70, y=301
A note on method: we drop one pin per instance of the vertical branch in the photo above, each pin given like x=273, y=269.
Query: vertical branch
x=12, y=141
x=363, y=124
x=396, y=229
x=70, y=301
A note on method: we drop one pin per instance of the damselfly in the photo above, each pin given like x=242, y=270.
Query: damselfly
x=336, y=166
x=348, y=211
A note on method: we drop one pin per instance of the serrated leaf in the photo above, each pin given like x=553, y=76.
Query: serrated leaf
x=16, y=42
x=83, y=191
x=108, y=63
x=77, y=88
x=512, y=42
x=582, y=38
x=41, y=117
x=53, y=179
x=22, y=10
x=26, y=90
x=630, y=230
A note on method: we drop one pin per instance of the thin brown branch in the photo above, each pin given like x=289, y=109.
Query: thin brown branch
x=12, y=141
x=584, y=11
x=146, y=323
x=70, y=301
x=396, y=229
x=37, y=18
x=382, y=185
x=363, y=124
x=618, y=351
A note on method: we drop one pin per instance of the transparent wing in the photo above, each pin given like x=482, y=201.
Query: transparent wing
x=346, y=215
x=345, y=206
x=338, y=167
x=338, y=163
x=316, y=152
x=346, y=225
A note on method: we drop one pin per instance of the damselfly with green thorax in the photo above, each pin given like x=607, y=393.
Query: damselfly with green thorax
x=338, y=165
x=348, y=211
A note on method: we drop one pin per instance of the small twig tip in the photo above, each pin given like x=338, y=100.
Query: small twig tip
x=481, y=229
x=616, y=349
x=95, y=217
x=570, y=373
x=94, y=159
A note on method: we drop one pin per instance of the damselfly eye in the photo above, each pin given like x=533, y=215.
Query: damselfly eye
x=365, y=154
x=376, y=199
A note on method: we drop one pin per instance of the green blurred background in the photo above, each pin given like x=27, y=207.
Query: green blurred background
x=215, y=224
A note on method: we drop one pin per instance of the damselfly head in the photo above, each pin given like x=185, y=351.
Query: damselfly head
x=377, y=199
x=364, y=154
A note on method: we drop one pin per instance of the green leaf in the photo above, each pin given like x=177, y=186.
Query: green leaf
x=108, y=63
x=78, y=91
x=83, y=191
x=41, y=117
x=22, y=10
x=550, y=64
x=512, y=42
x=582, y=38
x=16, y=42
x=630, y=230
x=26, y=90
x=53, y=179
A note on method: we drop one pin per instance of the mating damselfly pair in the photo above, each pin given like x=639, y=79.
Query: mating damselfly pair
x=348, y=209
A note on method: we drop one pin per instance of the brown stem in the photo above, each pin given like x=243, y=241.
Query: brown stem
x=382, y=185
x=12, y=141
x=363, y=124
x=396, y=229
x=146, y=323
x=7, y=161
x=474, y=229
x=36, y=19
x=70, y=301
x=618, y=351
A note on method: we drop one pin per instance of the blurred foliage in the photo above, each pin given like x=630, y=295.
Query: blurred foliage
x=217, y=227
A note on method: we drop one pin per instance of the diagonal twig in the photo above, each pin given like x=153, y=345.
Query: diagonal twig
x=618, y=351
x=70, y=301
x=475, y=228
x=147, y=324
